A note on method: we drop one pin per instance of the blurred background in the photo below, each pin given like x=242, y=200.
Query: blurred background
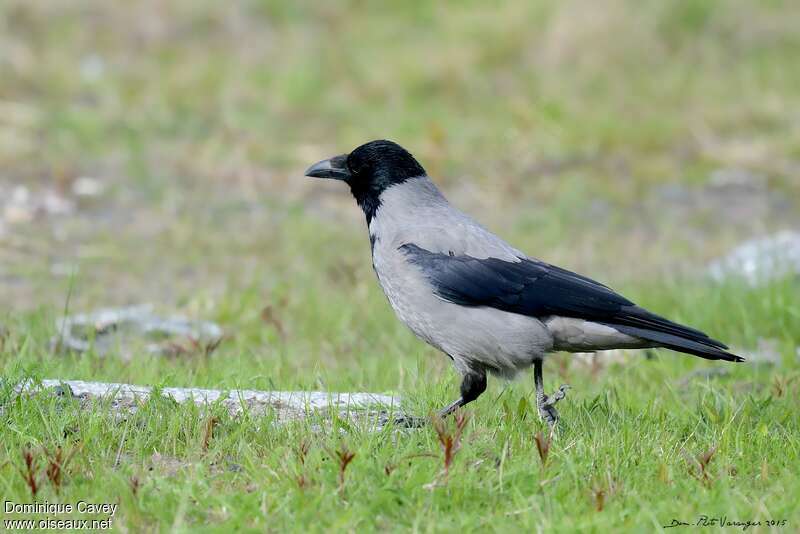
x=154, y=151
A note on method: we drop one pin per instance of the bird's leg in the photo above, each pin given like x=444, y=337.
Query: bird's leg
x=472, y=385
x=450, y=408
x=547, y=409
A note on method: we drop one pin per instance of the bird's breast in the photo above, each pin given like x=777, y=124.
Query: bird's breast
x=407, y=290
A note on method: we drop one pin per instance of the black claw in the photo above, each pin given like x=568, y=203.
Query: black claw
x=402, y=421
x=557, y=396
x=549, y=414
x=547, y=409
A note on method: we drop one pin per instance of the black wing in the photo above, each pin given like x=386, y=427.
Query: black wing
x=540, y=290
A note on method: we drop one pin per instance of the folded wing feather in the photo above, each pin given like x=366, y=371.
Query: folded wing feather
x=537, y=289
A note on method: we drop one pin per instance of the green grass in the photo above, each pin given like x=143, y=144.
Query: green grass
x=585, y=133
x=627, y=430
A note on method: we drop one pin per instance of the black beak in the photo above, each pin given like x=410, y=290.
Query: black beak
x=334, y=168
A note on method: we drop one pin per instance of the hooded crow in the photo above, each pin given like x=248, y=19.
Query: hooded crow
x=485, y=304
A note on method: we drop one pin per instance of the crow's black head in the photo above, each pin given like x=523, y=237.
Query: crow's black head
x=369, y=170
x=380, y=164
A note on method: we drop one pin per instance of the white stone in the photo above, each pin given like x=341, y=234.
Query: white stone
x=287, y=405
x=760, y=260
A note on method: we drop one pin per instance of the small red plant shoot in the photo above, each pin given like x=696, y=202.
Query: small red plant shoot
x=543, y=447
x=134, y=484
x=29, y=473
x=54, y=468
x=345, y=456
x=450, y=442
x=302, y=452
x=208, y=434
x=698, y=467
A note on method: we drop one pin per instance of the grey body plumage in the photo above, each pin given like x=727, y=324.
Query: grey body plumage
x=476, y=298
x=477, y=338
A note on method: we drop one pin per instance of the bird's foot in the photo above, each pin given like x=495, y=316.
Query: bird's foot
x=450, y=408
x=547, y=408
x=401, y=420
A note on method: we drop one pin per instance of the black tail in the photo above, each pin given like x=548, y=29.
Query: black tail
x=638, y=322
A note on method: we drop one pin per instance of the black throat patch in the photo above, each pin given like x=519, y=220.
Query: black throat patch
x=369, y=201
